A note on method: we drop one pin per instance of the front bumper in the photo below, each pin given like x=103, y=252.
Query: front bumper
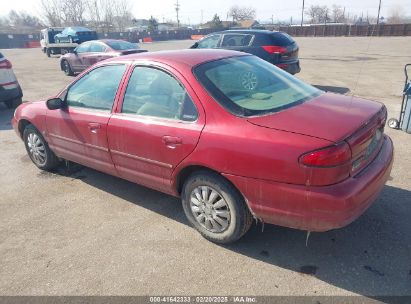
x=317, y=208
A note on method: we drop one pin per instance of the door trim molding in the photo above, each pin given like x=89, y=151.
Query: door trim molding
x=151, y=161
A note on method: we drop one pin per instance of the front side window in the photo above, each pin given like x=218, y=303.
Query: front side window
x=249, y=86
x=97, y=89
x=233, y=40
x=209, y=42
x=153, y=92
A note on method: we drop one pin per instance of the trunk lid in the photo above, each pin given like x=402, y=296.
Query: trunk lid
x=331, y=117
x=335, y=118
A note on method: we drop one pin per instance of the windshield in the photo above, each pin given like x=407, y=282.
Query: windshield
x=249, y=86
x=121, y=45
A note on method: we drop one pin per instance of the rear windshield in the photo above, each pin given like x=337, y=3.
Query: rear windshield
x=249, y=86
x=121, y=45
x=282, y=39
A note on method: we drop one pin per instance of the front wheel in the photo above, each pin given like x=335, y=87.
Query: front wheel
x=38, y=149
x=215, y=208
x=67, y=68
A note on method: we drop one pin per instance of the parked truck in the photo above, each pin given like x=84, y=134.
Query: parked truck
x=49, y=45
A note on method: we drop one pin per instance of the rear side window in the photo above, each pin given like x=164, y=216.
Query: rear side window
x=155, y=93
x=97, y=48
x=233, y=40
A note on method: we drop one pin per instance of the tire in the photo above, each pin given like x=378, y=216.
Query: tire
x=393, y=123
x=67, y=68
x=13, y=103
x=226, y=219
x=41, y=156
x=48, y=52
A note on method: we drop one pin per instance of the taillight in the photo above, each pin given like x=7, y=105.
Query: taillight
x=5, y=64
x=274, y=49
x=331, y=156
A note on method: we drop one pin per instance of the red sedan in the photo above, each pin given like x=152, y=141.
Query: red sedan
x=233, y=136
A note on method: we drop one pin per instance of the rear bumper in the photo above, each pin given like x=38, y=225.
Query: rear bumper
x=292, y=68
x=9, y=92
x=318, y=208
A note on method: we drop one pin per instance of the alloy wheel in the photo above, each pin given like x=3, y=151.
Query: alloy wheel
x=37, y=149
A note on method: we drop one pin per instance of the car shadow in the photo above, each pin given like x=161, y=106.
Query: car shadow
x=5, y=117
x=333, y=89
x=371, y=257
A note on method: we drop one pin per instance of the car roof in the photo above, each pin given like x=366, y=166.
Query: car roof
x=79, y=28
x=188, y=57
x=247, y=31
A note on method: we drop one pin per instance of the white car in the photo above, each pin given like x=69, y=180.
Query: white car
x=10, y=91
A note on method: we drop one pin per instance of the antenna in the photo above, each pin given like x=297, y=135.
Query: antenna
x=177, y=6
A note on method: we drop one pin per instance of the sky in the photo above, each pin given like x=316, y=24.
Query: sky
x=192, y=12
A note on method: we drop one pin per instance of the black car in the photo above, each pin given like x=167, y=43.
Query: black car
x=277, y=48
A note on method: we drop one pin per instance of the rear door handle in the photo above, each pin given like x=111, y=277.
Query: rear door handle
x=172, y=141
x=94, y=127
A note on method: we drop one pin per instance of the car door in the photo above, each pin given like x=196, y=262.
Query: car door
x=79, y=131
x=209, y=42
x=94, y=54
x=237, y=42
x=157, y=127
x=78, y=61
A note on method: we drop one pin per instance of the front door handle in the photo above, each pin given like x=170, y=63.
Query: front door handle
x=94, y=127
x=172, y=141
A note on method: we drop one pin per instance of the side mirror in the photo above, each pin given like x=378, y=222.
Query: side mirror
x=55, y=103
x=194, y=46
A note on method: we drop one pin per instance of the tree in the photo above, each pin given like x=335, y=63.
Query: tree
x=239, y=13
x=338, y=14
x=153, y=24
x=216, y=23
x=318, y=13
x=396, y=15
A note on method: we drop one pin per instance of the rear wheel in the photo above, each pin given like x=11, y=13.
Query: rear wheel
x=38, y=149
x=48, y=52
x=215, y=208
x=67, y=68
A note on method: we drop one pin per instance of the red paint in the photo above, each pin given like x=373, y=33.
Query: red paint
x=261, y=156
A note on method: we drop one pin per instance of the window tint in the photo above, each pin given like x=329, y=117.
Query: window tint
x=232, y=40
x=96, y=47
x=152, y=92
x=248, y=86
x=97, y=89
x=209, y=42
x=83, y=48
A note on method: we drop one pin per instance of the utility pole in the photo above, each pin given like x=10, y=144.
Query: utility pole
x=272, y=19
x=378, y=16
x=177, y=6
x=302, y=14
x=202, y=15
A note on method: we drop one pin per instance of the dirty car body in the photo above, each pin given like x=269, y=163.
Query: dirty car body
x=232, y=135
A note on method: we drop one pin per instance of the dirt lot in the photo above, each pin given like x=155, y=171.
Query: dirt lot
x=81, y=232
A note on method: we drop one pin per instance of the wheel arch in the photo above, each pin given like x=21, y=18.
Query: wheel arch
x=23, y=123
